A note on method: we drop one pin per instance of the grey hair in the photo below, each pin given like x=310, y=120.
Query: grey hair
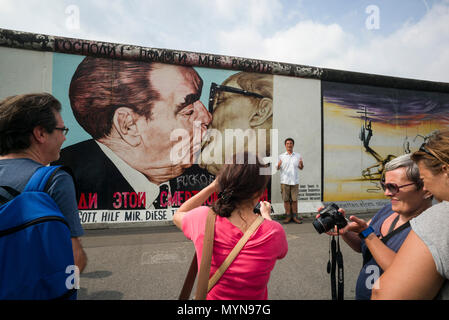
x=411, y=168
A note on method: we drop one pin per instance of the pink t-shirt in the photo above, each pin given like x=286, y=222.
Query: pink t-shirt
x=247, y=276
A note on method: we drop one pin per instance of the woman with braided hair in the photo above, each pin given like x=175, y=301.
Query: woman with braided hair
x=239, y=188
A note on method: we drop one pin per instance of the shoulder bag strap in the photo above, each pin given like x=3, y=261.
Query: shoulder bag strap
x=206, y=257
x=189, y=280
x=392, y=225
x=392, y=233
x=193, y=270
x=233, y=254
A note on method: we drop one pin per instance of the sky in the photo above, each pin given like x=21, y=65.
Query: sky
x=402, y=38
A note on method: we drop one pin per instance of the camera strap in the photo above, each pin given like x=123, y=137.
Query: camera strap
x=334, y=264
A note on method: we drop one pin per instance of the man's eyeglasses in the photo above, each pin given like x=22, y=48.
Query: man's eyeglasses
x=64, y=130
x=393, y=187
x=214, y=88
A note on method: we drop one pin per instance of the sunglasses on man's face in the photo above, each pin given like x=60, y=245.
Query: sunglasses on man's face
x=214, y=88
x=393, y=187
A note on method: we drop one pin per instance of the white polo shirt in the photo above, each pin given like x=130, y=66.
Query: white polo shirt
x=290, y=168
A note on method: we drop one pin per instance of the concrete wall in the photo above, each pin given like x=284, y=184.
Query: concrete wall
x=25, y=71
x=346, y=125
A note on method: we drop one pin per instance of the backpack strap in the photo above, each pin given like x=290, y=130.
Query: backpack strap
x=41, y=179
x=13, y=192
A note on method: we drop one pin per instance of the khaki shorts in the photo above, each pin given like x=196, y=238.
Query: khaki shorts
x=289, y=192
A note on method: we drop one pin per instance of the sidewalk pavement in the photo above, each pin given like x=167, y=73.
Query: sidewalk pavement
x=151, y=263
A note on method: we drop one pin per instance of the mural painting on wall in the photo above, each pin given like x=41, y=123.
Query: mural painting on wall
x=148, y=136
x=242, y=119
x=365, y=127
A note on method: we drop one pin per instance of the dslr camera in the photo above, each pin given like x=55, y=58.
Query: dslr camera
x=257, y=208
x=329, y=218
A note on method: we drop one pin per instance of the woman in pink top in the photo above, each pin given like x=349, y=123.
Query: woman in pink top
x=239, y=186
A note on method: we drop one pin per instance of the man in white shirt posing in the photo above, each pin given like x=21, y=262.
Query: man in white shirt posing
x=289, y=164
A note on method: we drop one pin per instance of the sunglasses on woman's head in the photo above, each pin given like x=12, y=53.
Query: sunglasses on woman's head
x=425, y=150
x=393, y=187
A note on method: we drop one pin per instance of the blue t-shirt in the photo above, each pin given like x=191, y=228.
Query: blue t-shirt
x=16, y=173
x=371, y=270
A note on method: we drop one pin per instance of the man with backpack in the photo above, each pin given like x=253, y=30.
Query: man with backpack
x=38, y=214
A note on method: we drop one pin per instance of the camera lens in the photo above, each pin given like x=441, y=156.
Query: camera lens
x=257, y=208
x=318, y=226
x=323, y=224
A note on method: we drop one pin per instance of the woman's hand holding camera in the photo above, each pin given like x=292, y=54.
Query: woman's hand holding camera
x=265, y=209
x=356, y=225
